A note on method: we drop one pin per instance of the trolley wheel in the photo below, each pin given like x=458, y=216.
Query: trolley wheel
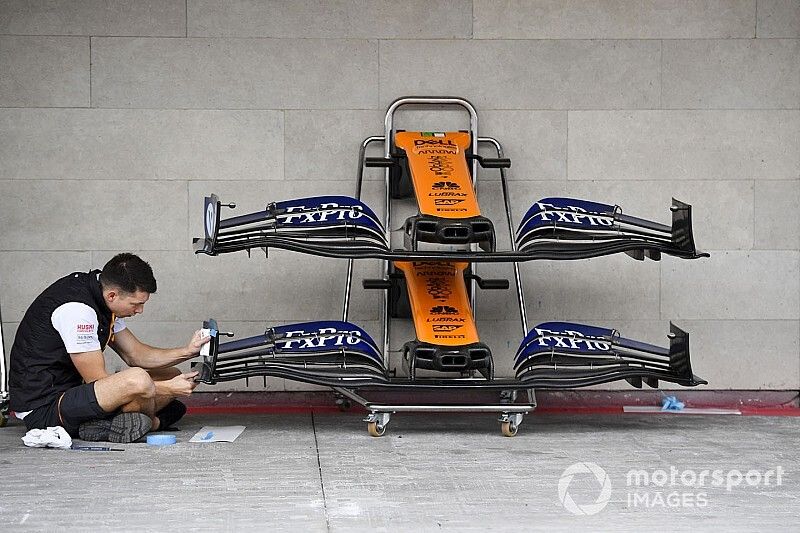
x=508, y=429
x=375, y=429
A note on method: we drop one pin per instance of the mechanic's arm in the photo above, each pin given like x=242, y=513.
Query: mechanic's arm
x=90, y=365
x=136, y=353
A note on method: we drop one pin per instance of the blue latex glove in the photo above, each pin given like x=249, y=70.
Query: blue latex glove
x=671, y=403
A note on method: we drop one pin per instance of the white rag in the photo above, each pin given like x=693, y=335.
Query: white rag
x=53, y=437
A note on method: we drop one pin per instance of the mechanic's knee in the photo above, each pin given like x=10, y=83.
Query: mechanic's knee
x=140, y=383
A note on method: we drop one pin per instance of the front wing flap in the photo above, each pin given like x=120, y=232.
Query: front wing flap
x=554, y=355
x=344, y=227
x=560, y=353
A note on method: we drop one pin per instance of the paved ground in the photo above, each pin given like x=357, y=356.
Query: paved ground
x=322, y=472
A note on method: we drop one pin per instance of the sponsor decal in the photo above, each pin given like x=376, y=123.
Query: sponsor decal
x=432, y=134
x=322, y=338
x=438, y=288
x=574, y=340
x=443, y=310
x=445, y=186
x=435, y=146
x=571, y=215
x=321, y=213
x=85, y=328
x=449, y=337
x=440, y=165
x=447, y=201
x=446, y=328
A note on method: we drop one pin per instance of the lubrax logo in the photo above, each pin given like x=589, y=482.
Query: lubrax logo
x=443, y=310
x=445, y=186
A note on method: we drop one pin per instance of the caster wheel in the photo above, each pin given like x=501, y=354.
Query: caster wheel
x=375, y=430
x=508, y=429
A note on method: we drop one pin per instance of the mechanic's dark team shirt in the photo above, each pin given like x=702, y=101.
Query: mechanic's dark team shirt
x=69, y=317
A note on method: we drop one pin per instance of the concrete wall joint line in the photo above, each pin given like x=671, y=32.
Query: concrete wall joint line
x=319, y=466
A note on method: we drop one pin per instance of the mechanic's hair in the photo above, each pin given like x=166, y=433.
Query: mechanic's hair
x=129, y=273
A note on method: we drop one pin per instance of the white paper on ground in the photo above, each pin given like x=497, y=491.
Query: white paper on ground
x=52, y=437
x=684, y=411
x=217, y=434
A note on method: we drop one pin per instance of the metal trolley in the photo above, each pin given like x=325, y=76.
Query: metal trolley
x=511, y=413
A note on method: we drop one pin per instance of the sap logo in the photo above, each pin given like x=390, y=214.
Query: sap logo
x=437, y=142
x=447, y=201
x=573, y=340
x=572, y=215
x=323, y=338
x=445, y=328
x=445, y=186
x=321, y=213
x=443, y=310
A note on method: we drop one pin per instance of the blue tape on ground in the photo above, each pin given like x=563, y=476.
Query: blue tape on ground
x=161, y=440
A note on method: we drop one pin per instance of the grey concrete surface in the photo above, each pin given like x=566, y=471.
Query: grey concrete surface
x=322, y=472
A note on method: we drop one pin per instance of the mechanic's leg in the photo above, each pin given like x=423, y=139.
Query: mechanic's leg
x=167, y=407
x=163, y=374
x=131, y=390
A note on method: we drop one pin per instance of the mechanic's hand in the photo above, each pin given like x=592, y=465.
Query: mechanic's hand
x=183, y=384
x=196, y=342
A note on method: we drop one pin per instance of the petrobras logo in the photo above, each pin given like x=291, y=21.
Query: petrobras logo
x=315, y=339
x=598, y=478
x=571, y=214
x=327, y=212
x=573, y=340
x=445, y=186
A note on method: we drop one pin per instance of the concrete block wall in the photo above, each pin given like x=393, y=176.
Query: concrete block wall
x=118, y=116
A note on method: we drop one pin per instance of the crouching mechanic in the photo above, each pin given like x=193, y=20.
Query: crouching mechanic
x=58, y=375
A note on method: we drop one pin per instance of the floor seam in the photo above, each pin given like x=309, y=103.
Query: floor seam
x=321, y=482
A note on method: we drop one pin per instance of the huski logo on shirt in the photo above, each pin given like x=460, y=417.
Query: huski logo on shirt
x=85, y=328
